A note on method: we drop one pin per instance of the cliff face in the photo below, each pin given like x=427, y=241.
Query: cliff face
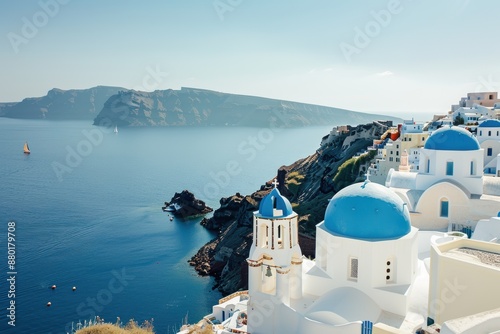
x=184, y=107
x=308, y=184
x=58, y=104
x=4, y=106
x=198, y=107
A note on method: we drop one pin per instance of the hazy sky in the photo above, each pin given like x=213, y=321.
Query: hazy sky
x=415, y=56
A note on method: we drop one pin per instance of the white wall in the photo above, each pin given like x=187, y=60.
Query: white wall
x=494, y=144
x=372, y=257
x=457, y=284
x=461, y=168
x=486, y=322
x=488, y=133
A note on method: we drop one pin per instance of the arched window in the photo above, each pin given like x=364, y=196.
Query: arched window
x=281, y=242
x=444, y=208
x=263, y=235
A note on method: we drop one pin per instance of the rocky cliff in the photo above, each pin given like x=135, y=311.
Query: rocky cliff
x=308, y=184
x=58, y=104
x=198, y=107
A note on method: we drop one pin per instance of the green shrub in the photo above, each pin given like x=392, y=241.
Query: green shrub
x=349, y=171
x=293, y=182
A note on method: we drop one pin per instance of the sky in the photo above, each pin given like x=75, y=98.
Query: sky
x=401, y=57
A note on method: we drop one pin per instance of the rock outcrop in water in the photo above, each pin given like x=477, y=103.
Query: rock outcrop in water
x=308, y=184
x=199, y=107
x=58, y=104
x=185, y=205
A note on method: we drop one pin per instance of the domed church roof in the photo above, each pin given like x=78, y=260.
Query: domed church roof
x=452, y=139
x=275, y=205
x=490, y=123
x=367, y=211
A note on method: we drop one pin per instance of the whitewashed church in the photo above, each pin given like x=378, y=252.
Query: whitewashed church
x=450, y=186
x=375, y=271
x=365, y=267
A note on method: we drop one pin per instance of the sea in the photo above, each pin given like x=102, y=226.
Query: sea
x=83, y=211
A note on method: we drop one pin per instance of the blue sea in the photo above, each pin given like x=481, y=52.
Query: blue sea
x=84, y=209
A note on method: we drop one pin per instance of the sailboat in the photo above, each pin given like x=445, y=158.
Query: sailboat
x=116, y=129
x=26, y=148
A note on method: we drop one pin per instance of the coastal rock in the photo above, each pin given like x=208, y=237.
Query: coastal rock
x=235, y=208
x=185, y=205
x=308, y=184
x=201, y=107
x=58, y=104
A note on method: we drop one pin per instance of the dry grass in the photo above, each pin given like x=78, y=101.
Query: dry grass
x=130, y=328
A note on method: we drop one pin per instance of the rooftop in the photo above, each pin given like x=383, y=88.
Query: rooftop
x=489, y=258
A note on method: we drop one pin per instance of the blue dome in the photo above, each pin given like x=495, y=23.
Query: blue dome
x=367, y=211
x=452, y=139
x=275, y=205
x=490, y=123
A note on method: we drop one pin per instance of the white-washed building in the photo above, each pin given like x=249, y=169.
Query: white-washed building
x=488, y=135
x=448, y=188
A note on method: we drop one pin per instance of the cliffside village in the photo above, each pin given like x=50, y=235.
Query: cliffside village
x=414, y=248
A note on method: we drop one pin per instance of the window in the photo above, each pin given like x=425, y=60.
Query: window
x=391, y=159
x=265, y=236
x=353, y=268
x=472, y=168
x=449, y=168
x=444, y=208
x=489, y=133
x=281, y=244
x=397, y=152
x=490, y=151
x=397, y=159
x=491, y=97
x=428, y=169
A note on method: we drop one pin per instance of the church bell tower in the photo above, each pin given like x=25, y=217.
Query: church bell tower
x=275, y=261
